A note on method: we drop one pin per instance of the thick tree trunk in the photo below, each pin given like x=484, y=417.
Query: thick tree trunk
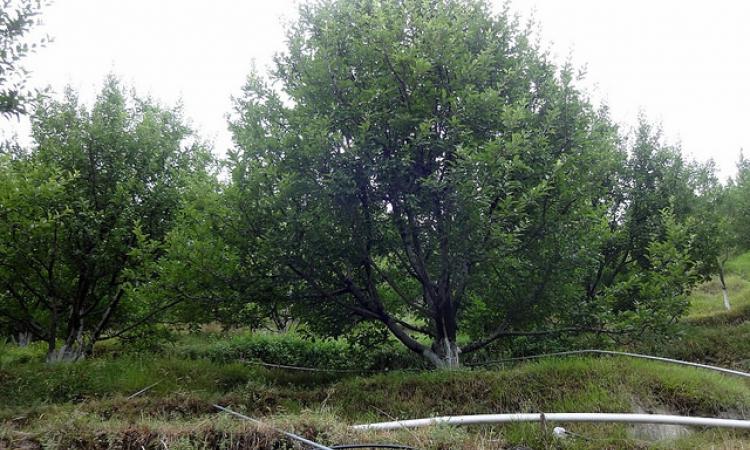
x=51, y=342
x=66, y=354
x=444, y=354
x=23, y=339
x=76, y=348
x=73, y=348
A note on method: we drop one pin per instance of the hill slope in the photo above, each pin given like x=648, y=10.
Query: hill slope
x=88, y=406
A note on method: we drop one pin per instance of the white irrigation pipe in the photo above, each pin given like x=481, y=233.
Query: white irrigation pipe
x=674, y=361
x=487, y=419
x=507, y=360
x=146, y=389
x=632, y=355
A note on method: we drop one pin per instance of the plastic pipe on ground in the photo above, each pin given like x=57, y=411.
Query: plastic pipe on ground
x=285, y=433
x=609, y=352
x=673, y=361
x=488, y=419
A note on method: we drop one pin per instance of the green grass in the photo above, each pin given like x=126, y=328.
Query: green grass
x=85, y=405
x=555, y=385
x=706, y=300
x=87, y=402
x=38, y=383
x=709, y=333
x=11, y=355
x=740, y=265
x=725, y=345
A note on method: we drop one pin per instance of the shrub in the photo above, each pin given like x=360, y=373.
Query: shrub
x=294, y=350
x=11, y=354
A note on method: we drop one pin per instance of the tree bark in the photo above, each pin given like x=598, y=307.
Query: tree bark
x=23, y=338
x=724, y=291
x=446, y=354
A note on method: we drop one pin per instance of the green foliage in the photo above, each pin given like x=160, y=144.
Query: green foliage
x=738, y=205
x=209, y=265
x=723, y=344
x=390, y=175
x=36, y=383
x=652, y=299
x=564, y=385
x=90, y=396
x=706, y=301
x=86, y=211
x=294, y=350
x=12, y=355
x=710, y=333
x=391, y=168
x=17, y=18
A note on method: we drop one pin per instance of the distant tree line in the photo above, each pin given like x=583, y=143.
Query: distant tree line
x=415, y=169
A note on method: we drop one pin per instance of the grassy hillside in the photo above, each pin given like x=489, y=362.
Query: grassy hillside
x=707, y=300
x=711, y=334
x=88, y=406
x=87, y=403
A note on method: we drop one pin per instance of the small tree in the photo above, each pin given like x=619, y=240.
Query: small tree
x=85, y=211
x=210, y=263
x=738, y=204
x=655, y=178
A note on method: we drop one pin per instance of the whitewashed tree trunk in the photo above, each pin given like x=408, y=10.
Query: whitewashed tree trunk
x=66, y=354
x=724, y=291
x=23, y=339
x=444, y=354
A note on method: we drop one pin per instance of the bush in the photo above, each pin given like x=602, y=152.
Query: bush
x=294, y=350
x=11, y=354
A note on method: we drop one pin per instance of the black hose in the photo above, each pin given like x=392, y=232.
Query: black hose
x=396, y=446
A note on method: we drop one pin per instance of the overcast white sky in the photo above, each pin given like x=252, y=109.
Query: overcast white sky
x=684, y=63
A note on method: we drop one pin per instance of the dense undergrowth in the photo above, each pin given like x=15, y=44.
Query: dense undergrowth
x=292, y=349
x=87, y=405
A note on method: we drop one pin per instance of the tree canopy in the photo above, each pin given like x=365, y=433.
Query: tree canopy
x=419, y=169
x=85, y=211
x=425, y=166
x=17, y=18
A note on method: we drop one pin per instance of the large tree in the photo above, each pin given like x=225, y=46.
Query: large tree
x=84, y=212
x=423, y=165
